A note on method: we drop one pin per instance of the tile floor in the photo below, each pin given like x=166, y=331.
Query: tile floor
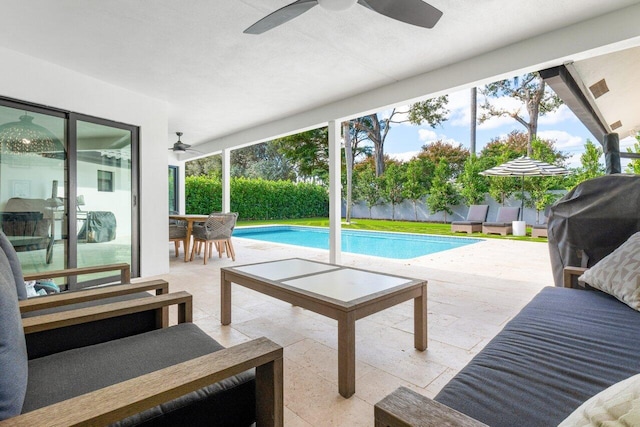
x=473, y=291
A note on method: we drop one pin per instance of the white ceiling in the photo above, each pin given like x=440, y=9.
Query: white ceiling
x=218, y=81
x=622, y=101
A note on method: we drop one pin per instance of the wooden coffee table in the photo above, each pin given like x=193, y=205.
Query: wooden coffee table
x=341, y=293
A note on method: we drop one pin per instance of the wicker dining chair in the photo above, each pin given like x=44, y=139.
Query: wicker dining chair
x=217, y=230
x=177, y=233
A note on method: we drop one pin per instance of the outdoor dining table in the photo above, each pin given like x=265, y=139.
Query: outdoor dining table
x=190, y=219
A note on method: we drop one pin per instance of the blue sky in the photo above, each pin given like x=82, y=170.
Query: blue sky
x=404, y=140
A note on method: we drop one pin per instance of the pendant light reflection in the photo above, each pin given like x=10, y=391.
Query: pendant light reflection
x=27, y=138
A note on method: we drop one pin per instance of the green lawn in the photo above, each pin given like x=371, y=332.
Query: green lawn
x=384, y=225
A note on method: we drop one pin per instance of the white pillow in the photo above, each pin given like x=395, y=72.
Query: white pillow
x=618, y=405
x=618, y=274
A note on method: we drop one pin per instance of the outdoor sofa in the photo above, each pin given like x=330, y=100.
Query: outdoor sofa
x=174, y=375
x=563, y=348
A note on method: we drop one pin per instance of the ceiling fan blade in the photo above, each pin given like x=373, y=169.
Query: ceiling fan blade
x=281, y=16
x=415, y=12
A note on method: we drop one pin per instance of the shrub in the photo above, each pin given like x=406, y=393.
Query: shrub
x=257, y=198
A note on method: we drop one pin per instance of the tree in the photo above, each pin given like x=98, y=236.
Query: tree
x=432, y=111
x=208, y=166
x=443, y=193
x=590, y=166
x=263, y=161
x=511, y=147
x=634, y=165
x=499, y=151
x=352, y=138
x=530, y=89
x=393, y=180
x=368, y=187
x=455, y=156
x=418, y=173
x=473, y=186
x=538, y=188
x=308, y=152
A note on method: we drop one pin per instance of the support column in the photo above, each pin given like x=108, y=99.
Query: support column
x=611, y=144
x=226, y=180
x=335, y=200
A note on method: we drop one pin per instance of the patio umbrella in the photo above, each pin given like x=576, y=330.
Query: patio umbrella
x=525, y=166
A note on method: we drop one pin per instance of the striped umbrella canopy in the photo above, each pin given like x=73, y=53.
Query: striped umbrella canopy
x=525, y=166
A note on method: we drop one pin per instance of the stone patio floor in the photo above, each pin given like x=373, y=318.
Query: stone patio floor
x=473, y=291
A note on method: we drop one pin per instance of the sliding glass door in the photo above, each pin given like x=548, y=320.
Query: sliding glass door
x=103, y=193
x=33, y=165
x=68, y=190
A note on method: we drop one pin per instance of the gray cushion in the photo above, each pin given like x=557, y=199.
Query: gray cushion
x=68, y=374
x=565, y=346
x=13, y=352
x=44, y=343
x=14, y=263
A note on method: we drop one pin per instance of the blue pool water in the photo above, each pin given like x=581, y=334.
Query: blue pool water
x=387, y=245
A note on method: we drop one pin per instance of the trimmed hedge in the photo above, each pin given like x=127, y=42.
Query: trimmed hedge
x=257, y=198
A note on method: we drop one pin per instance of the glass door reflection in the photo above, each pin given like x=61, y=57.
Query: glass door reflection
x=103, y=202
x=33, y=163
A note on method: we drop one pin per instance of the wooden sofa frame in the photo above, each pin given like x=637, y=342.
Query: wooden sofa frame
x=406, y=408
x=92, y=294
x=119, y=401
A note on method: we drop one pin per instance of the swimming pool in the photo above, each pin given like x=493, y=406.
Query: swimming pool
x=387, y=245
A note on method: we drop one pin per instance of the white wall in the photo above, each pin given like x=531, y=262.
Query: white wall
x=33, y=80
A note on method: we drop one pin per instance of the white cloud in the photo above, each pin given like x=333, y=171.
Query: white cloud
x=574, y=160
x=627, y=142
x=404, y=157
x=561, y=115
x=564, y=140
x=504, y=103
x=427, y=135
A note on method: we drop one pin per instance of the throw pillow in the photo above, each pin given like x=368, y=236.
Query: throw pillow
x=14, y=264
x=616, y=405
x=13, y=351
x=618, y=274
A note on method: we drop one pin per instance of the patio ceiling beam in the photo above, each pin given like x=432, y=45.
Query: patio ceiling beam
x=572, y=93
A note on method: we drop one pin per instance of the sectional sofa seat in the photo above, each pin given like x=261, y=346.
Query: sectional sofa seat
x=565, y=346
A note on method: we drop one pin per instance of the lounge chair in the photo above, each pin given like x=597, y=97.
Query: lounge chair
x=503, y=223
x=540, y=230
x=475, y=217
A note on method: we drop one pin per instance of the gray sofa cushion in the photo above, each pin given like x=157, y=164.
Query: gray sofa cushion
x=40, y=344
x=565, y=346
x=14, y=263
x=68, y=374
x=13, y=352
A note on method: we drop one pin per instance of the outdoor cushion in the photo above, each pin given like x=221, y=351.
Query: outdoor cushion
x=44, y=343
x=90, y=368
x=617, y=405
x=14, y=264
x=565, y=346
x=618, y=273
x=13, y=352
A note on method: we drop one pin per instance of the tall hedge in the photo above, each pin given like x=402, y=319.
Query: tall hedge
x=257, y=198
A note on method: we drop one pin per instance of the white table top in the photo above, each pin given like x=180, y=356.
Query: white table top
x=332, y=281
x=279, y=270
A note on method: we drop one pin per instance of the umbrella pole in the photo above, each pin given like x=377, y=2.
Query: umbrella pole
x=522, y=201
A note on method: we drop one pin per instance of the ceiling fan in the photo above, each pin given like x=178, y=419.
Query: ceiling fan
x=415, y=12
x=180, y=147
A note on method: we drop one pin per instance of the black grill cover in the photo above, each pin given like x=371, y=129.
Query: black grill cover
x=595, y=217
x=99, y=227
